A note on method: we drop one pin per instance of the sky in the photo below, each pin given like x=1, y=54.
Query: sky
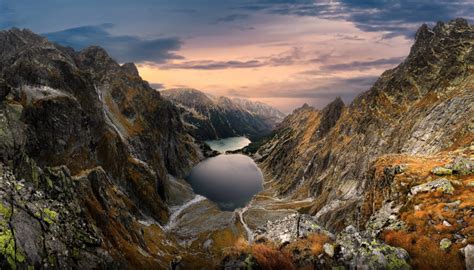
x=281, y=52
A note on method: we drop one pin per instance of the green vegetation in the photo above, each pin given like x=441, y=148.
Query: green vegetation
x=7, y=240
x=50, y=216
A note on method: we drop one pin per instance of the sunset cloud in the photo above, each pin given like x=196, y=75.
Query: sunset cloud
x=283, y=52
x=123, y=48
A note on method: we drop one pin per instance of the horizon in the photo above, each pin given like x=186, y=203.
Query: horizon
x=283, y=53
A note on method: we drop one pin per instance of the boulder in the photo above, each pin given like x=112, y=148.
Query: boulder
x=441, y=184
x=468, y=252
x=462, y=166
x=357, y=251
x=329, y=249
x=289, y=229
x=441, y=171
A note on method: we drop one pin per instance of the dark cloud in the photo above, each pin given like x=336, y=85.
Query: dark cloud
x=157, y=86
x=231, y=18
x=213, y=65
x=124, y=48
x=404, y=16
x=396, y=18
x=325, y=91
x=347, y=88
x=323, y=9
x=328, y=88
x=286, y=58
x=364, y=65
x=349, y=37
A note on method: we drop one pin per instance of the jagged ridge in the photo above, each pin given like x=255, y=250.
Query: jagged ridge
x=220, y=117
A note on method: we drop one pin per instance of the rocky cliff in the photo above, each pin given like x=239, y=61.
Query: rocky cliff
x=220, y=117
x=86, y=147
x=351, y=158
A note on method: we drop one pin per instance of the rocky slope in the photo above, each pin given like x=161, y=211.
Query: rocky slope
x=422, y=113
x=270, y=114
x=86, y=150
x=220, y=117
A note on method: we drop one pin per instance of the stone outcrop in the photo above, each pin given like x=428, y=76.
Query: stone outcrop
x=313, y=247
x=46, y=228
x=289, y=229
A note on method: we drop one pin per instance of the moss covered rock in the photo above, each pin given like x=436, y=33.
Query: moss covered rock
x=441, y=184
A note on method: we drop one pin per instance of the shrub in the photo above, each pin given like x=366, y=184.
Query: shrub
x=317, y=242
x=425, y=252
x=270, y=258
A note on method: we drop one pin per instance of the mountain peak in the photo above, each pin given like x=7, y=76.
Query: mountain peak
x=97, y=57
x=130, y=68
x=438, y=56
x=330, y=115
x=442, y=33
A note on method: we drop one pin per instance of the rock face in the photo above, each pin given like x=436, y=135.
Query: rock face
x=220, y=117
x=90, y=145
x=468, y=253
x=360, y=252
x=423, y=106
x=289, y=229
x=46, y=229
x=441, y=184
x=271, y=115
x=313, y=247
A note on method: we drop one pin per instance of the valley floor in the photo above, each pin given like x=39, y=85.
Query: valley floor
x=200, y=226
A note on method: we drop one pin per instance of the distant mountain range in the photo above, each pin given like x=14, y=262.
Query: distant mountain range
x=219, y=117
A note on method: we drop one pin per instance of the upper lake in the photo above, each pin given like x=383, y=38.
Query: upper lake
x=228, y=144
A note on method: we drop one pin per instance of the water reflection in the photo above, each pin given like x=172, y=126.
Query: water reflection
x=228, y=180
x=228, y=144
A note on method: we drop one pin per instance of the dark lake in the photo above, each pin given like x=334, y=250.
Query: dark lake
x=229, y=180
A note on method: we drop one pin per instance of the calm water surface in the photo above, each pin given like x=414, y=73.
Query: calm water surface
x=229, y=180
x=228, y=144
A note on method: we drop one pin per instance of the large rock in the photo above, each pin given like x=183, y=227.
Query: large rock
x=289, y=229
x=462, y=166
x=441, y=184
x=359, y=252
x=45, y=229
x=439, y=170
x=468, y=253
